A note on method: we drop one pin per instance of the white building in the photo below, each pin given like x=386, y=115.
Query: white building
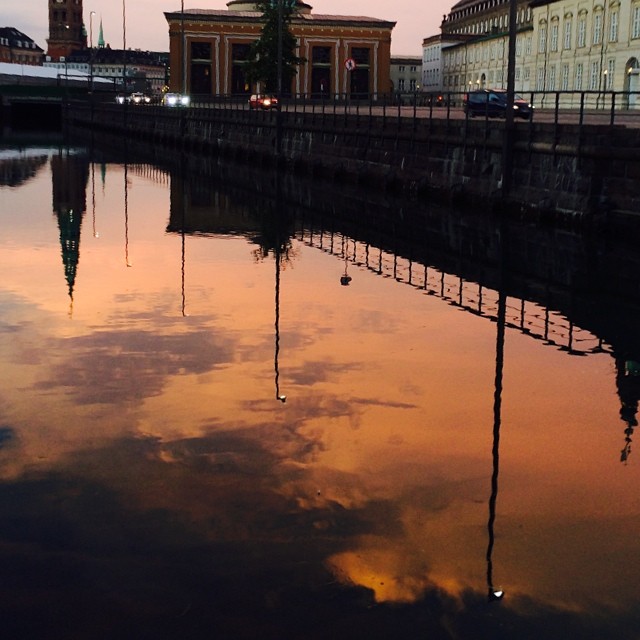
x=480, y=61
x=587, y=46
x=432, y=61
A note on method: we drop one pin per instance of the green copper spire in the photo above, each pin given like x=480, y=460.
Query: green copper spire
x=101, y=36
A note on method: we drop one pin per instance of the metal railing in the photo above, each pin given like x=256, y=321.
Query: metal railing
x=559, y=107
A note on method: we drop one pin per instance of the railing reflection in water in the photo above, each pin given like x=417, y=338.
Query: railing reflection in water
x=526, y=316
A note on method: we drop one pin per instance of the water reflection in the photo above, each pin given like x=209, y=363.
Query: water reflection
x=152, y=486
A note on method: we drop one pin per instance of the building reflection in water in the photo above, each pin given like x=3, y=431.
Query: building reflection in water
x=628, y=384
x=18, y=166
x=69, y=175
x=424, y=254
x=270, y=222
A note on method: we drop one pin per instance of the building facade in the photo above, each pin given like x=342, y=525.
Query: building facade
x=130, y=70
x=345, y=55
x=587, y=46
x=572, y=51
x=433, y=60
x=406, y=74
x=17, y=48
x=479, y=59
x=133, y=70
x=66, y=28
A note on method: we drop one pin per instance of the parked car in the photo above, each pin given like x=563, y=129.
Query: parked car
x=176, y=100
x=139, y=98
x=263, y=101
x=492, y=103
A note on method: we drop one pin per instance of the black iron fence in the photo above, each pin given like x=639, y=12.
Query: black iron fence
x=570, y=107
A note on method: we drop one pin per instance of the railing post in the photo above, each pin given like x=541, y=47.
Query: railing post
x=613, y=108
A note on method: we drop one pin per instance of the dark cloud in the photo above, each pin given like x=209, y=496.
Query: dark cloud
x=200, y=538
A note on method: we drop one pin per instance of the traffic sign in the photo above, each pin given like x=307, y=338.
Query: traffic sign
x=350, y=64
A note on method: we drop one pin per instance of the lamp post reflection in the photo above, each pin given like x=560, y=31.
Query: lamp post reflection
x=93, y=198
x=126, y=213
x=495, y=594
x=279, y=396
x=182, y=234
x=91, y=14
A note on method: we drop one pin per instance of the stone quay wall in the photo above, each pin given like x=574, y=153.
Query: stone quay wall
x=579, y=171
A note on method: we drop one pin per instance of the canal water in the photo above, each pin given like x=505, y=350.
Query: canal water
x=242, y=405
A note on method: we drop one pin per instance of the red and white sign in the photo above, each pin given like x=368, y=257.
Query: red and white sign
x=350, y=64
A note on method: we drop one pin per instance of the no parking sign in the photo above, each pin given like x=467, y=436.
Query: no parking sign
x=350, y=64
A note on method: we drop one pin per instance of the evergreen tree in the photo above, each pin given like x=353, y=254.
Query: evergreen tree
x=262, y=65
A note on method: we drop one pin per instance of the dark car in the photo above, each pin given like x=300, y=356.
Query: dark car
x=492, y=103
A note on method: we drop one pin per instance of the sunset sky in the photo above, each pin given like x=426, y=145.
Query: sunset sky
x=146, y=27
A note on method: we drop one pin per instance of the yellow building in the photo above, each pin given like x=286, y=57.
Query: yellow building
x=345, y=55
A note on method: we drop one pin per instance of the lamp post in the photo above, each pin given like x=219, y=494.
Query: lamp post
x=124, y=47
x=91, y=14
x=507, y=154
x=183, y=49
x=279, y=84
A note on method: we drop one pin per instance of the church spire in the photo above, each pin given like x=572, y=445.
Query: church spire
x=101, y=36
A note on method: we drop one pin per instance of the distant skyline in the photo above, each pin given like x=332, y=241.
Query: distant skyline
x=147, y=29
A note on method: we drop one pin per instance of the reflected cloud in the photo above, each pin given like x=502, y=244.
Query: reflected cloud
x=121, y=366
x=221, y=535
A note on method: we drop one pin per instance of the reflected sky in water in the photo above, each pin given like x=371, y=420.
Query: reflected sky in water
x=154, y=486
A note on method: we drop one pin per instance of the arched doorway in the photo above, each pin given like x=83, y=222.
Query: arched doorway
x=631, y=83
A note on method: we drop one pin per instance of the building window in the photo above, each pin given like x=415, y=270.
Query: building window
x=597, y=28
x=239, y=56
x=577, y=85
x=582, y=32
x=542, y=39
x=360, y=75
x=567, y=33
x=412, y=84
x=611, y=69
x=401, y=68
x=401, y=84
x=551, y=83
x=413, y=69
x=565, y=78
x=613, y=27
x=540, y=79
x=635, y=22
x=594, y=79
x=554, y=36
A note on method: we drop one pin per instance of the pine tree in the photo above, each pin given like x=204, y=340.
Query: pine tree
x=262, y=64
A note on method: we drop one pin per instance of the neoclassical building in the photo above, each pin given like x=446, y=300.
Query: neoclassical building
x=479, y=57
x=590, y=46
x=209, y=47
x=587, y=46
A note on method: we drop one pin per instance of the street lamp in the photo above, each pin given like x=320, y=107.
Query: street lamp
x=124, y=47
x=184, y=52
x=91, y=14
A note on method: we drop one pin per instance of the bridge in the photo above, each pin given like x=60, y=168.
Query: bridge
x=33, y=95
